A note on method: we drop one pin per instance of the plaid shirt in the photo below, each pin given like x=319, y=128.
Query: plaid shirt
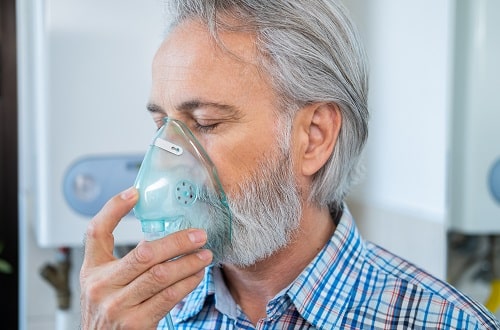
x=351, y=284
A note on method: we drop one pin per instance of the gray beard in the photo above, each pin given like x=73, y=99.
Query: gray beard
x=266, y=212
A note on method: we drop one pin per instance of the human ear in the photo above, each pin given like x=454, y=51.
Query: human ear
x=319, y=127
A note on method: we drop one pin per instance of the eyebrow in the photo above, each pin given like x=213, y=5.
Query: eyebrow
x=154, y=108
x=191, y=105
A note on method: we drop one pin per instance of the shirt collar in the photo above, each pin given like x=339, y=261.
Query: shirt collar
x=324, y=286
x=323, y=289
x=194, y=302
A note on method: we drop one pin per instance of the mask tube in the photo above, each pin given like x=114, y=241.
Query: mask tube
x=179, y=188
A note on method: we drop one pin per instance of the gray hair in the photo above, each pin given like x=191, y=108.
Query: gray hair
x=312, y=53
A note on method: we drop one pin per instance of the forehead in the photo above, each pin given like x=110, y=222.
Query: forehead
x=193, y=33
x=190, y=61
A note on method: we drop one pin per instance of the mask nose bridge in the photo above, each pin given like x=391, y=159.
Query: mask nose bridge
x=168, y=146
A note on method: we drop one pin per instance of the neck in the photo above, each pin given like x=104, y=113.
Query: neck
x=254, y=286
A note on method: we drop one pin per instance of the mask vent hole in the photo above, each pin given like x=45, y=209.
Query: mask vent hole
x=186, y=192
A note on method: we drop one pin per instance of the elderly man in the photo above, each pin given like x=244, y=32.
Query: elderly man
x=276, y=92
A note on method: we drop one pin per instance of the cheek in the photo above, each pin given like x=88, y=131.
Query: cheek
x=231, y=168
x=235, y=164
x=238, y=151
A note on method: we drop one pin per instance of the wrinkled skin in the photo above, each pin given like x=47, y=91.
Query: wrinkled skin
x=136, y=292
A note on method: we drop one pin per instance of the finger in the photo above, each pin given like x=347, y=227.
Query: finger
x=99, y=241
x=162, y=303
x=148, y=254
x=164, y=275
x=98, y=300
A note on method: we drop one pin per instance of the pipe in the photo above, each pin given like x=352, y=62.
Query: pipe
x=64, y=320
x=493, y=301
x=57, y=275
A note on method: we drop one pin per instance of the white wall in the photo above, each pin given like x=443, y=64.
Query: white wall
x=401, y=201
x=84, y=76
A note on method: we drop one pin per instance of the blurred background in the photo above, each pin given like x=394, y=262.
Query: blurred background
x=74, y=81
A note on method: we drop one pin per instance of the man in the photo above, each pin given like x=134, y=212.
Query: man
x=276, y=92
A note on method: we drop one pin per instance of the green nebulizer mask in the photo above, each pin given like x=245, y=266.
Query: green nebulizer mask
x=179, y=188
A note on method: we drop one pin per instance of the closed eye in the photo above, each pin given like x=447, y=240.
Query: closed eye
x=159, y=122
x=205, y=128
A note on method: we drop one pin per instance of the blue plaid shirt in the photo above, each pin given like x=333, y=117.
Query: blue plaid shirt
x=351, y=284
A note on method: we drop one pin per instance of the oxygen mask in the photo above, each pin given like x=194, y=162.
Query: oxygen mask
x=179, y=188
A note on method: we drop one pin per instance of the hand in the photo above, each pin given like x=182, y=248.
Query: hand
x=136, y=291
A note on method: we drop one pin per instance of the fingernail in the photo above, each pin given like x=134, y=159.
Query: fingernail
x=197, y=236
x=204, y=254
x=128, y=194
